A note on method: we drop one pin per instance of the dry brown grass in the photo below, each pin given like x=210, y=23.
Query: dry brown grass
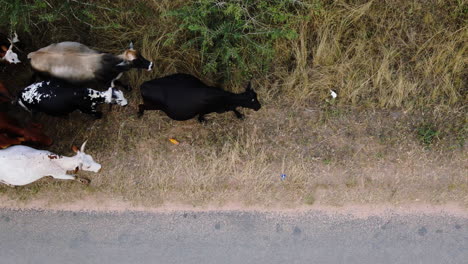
x=395, y=66
x=409, y=54
x=330, y=156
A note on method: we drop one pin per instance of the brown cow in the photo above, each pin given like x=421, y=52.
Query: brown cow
x=6, y=141
x=33, y=134
x=11, y=133
x=5, y=96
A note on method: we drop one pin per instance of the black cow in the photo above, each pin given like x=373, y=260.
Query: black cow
x=183, y=96
x=58, y=98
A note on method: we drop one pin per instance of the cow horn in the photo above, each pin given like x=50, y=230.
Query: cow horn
x=83, y=146
x=15, y=39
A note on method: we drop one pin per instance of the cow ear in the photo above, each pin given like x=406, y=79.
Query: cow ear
x=4, y=48
x=123, y=63
x=249, y=86
x=75, y=149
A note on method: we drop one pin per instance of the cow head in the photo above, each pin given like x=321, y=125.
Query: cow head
x=8, y=54
x=133, y=59
x=85, y=161
x=250, y=98
x=115, y=96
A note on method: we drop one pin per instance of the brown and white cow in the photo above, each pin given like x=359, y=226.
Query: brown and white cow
x=78, y=64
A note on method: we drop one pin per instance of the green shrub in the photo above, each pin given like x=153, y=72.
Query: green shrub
x=29, y=15
x=237, y=36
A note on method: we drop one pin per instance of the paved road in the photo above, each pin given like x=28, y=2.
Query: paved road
x=228, y=237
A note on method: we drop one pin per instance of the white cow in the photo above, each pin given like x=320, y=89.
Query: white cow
x=21, y=165
x=9, y=55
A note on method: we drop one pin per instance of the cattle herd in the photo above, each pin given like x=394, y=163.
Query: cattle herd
x=65, y=70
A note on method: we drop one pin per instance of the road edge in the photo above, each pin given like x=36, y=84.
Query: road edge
x=355, y=210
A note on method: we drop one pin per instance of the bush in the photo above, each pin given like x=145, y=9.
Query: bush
x=237, y=36
x=22, y=15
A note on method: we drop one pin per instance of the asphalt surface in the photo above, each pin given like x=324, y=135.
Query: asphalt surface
x=31, y=236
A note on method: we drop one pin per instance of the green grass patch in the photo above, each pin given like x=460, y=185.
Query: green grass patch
x=427, y=134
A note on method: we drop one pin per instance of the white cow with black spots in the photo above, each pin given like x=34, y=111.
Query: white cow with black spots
x=58, y=98
x=21, y=165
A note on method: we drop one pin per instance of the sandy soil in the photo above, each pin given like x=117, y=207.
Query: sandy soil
x=355, y=210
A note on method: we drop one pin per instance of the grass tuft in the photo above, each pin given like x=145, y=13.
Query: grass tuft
x=427, y=134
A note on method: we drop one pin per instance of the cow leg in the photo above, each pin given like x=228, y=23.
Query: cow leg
x=146, y=106
x=92, y=111
x=201, y=118
x=64, y=177
x=72, y=177
x=6, y=141
x=141, y=110
x=116, y=82
x=119, y=83
x=238, y=114
x=7, y=184
x=95, y=114
x=83, y=180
